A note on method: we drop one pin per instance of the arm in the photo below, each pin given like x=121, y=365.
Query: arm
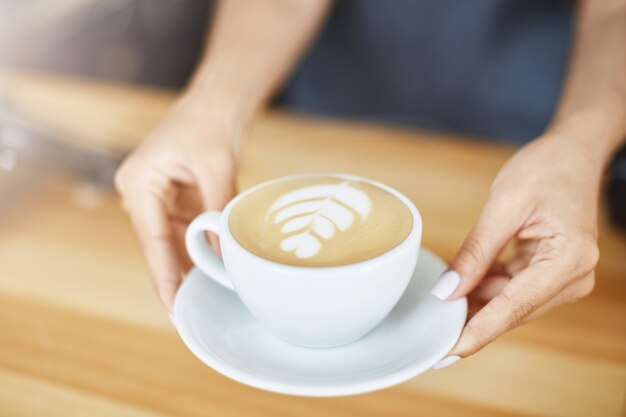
x=252, y=48
x=593, y=103
x=545, y=197
x=187, y=164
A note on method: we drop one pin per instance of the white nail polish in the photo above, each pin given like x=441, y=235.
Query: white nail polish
x=446, y=284
x=171, y=316
x=447, y=361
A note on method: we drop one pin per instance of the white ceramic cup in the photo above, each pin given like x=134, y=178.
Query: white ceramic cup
x=307, y=306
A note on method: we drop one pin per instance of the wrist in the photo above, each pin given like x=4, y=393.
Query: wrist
x=209, y=123
x=210, y=108
x=595, y=133
x=217, y=92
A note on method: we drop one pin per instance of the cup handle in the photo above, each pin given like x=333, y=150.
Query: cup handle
x=201, y=253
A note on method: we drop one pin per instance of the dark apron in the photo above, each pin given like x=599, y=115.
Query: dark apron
x=490, y=68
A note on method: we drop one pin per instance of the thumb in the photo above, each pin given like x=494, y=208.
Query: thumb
x=479, y=250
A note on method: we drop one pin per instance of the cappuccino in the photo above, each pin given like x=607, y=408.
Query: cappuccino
x=318, y=221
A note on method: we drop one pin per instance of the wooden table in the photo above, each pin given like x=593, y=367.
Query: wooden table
x=82, y=331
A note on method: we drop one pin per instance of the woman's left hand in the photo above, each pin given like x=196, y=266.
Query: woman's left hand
x=545, y=200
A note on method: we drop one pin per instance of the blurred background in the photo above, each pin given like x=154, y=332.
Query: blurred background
x=140, y=42
x=81, y=82
x=132, y=41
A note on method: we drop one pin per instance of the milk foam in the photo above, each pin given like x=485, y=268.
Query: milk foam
x=310, y=214
x=320, y=221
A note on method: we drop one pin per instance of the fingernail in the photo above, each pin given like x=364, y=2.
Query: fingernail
x=446, y=284
x=171, y=316
x=447, y=361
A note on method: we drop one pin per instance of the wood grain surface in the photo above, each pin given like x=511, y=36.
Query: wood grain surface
x=83, y=333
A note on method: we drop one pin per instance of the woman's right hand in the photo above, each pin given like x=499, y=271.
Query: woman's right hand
x=186, y=165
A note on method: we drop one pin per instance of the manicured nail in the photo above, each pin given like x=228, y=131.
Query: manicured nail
x=171, y=316
x=446, y=284
x=447, y=361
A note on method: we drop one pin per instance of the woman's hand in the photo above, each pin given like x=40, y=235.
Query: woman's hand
x=185, y=166
x=544, y=200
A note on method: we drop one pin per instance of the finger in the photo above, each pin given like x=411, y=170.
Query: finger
x=524, y=294
x=179, y=228
x=184, y=208
x=477, y=298
x=574, y=291
x=215, y=195
x=499, y=276
x=150, y=220
x=490, y=287
x=187, y=204
x=495, y=226
x=500, y=273
x=525, y=251
x=496, y=268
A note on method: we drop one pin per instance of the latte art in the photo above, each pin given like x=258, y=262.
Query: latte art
x=316, y=213
x=320, y=221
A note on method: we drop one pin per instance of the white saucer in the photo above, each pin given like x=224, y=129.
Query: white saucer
x=417, y=333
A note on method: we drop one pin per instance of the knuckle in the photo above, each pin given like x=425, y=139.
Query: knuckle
x=121, y=186
x=592, y=256
x=125, y=175
x=518, y=309
x=576, y=257
x=585, y=287
x=120, y=178
x=473, y=253
x=585, y=255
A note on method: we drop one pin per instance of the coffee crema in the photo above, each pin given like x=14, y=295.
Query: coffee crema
x=320, y=221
